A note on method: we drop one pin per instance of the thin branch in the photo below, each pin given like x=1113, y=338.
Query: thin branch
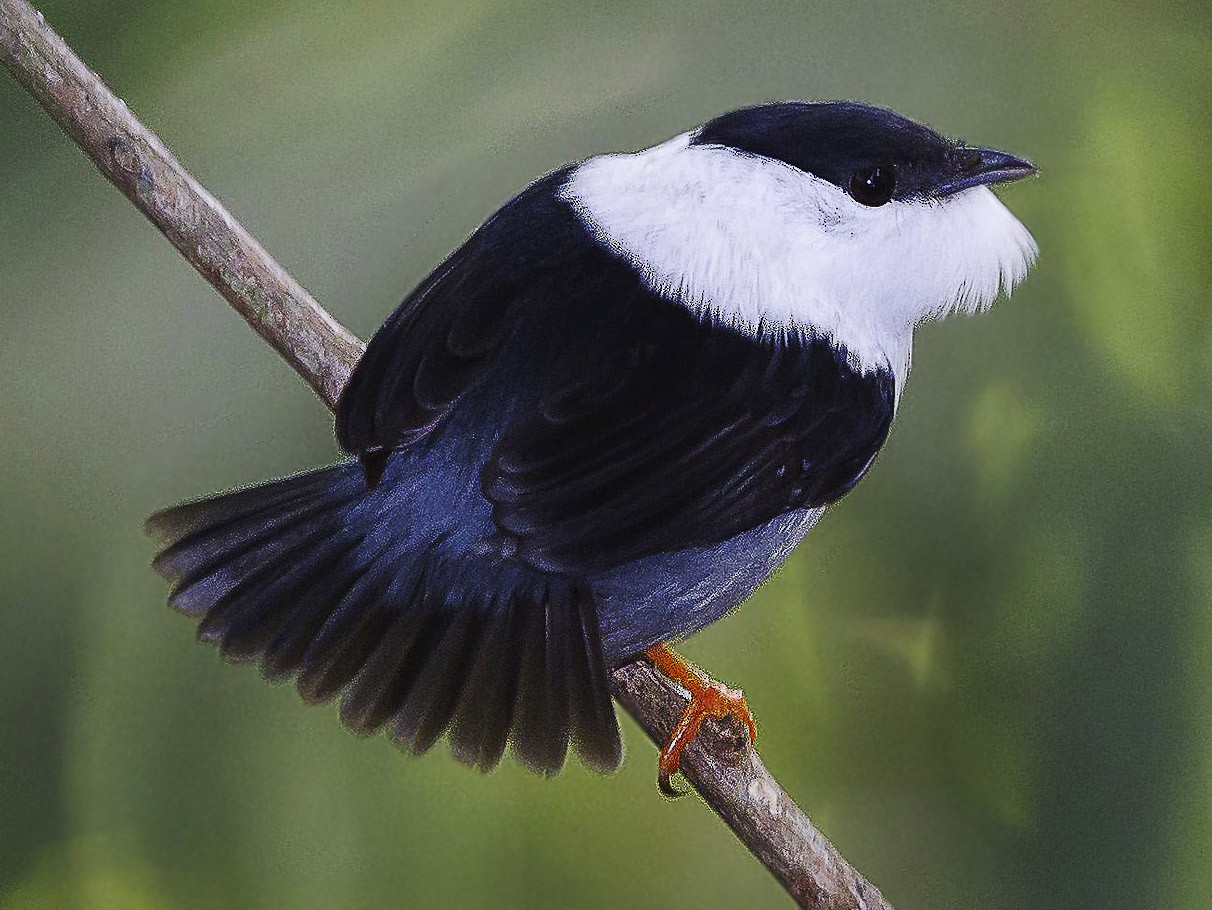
x=726, y=771
x=134, y=159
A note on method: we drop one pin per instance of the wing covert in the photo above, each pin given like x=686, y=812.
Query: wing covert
x=682, y=434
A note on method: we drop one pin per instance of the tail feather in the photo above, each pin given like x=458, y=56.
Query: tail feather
x=284, y=574
x=382, y=683
x=284, y=656
x=207, y=560
x=326, y=672
x=211, y=513
x=541, y=730
x=250, y=615
x=440, y=659
x=595, y=732
x=203, y=551
x=480, y=730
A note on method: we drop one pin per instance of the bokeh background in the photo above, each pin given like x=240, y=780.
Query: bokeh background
x=987, y=675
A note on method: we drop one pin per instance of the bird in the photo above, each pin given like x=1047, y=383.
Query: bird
x=598, y=426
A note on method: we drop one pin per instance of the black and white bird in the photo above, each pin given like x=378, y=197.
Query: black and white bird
x=599, y=425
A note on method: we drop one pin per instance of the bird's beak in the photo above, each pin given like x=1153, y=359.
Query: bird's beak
x=979, y=167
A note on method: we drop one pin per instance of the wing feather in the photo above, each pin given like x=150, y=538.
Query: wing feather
x=615, y=424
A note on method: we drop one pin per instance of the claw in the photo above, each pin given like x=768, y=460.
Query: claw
x=708, y=698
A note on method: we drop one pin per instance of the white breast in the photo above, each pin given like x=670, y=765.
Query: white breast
x=765, y=247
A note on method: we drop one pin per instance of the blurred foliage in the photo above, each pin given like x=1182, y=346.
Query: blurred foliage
x=987, y=674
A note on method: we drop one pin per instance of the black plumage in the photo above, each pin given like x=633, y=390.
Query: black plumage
x=638, y=428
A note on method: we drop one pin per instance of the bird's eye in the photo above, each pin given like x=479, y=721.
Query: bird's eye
x=873, y=185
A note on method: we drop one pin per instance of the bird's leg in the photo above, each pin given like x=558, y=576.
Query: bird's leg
x=708, y=698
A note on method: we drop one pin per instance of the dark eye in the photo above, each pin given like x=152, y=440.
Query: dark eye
x=873, y=185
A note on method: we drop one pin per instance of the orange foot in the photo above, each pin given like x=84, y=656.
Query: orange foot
x=708, y=698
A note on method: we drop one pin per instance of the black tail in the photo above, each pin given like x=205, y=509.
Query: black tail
x=294, y=576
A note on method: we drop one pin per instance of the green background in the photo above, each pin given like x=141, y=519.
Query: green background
x=987, y=675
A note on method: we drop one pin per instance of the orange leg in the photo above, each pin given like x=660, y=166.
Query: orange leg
x=708, y=698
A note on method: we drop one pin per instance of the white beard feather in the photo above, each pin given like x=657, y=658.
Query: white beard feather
x=767, y=248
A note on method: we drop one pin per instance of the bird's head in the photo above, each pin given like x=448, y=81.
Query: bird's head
x=873, y=155
x=838, y=217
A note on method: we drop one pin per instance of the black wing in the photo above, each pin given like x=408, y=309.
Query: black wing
x=620, y=424
x=682, y=435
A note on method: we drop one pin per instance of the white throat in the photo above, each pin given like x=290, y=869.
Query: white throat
x=767, y=248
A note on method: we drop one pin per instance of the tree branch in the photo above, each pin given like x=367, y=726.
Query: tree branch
x=726, y=771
